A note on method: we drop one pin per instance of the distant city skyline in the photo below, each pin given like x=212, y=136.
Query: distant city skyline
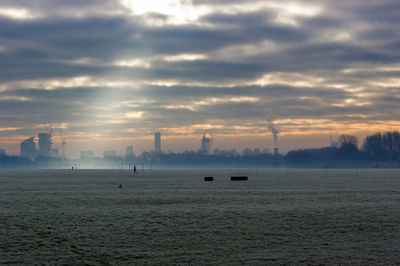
x=172, y=144
x=110, y=73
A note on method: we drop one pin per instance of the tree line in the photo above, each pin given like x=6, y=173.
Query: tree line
x=379, y=147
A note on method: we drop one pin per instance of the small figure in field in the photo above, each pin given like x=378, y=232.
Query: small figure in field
x=134, y=169
x=120, y=186
x=72, y=168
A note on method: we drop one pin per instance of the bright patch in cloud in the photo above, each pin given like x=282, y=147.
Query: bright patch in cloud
x=184, y=57
x=73, y=82
x=14, y=13
x=15, y=98
x=9, y=128
x=180, y=11
x=138, y=62
x=134, y=115
x=79, y=81
x=288, y=13
x=291, y=79
x=351, y=102
x=56, y=126
x=117, y=121
x=193, y=106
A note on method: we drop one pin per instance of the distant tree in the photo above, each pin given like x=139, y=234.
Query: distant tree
x=299, y=156
x=252, y=153
x=347, y=139
x=348, y=149
x=227, y=153
x=265, y=151
x=391, y=142
x=310, y=157
x=383, y=146
x=247, y=152
x=374, y=147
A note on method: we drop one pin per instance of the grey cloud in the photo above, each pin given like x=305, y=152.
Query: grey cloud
x=109, y=38
x=379, y=12
x=240, y=20
x=322, y=22
x=380, y=33
x=282, y=102
x=44, y=48
x=45, y=42
x=64, y=8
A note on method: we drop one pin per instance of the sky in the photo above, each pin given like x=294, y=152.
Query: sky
x=109, y=73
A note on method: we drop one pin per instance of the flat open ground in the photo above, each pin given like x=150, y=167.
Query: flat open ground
x=173, y=216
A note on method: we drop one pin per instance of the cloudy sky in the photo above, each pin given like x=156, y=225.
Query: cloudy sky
x=111, y=72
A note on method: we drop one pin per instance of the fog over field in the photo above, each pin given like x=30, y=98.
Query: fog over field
x=173, y=216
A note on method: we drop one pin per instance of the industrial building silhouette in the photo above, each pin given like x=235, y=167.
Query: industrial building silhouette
x=28, y=147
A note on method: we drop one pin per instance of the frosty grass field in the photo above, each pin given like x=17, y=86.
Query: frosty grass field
x=174, y=217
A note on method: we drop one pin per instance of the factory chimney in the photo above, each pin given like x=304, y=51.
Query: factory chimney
x=157, y=142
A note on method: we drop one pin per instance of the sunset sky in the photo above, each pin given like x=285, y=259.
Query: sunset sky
x=109, y=73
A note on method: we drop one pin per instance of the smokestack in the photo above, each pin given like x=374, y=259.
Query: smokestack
x=157, y=142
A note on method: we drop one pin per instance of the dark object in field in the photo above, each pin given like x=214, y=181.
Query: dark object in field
x=120, y=186
x=239, y=178
x=208, y=178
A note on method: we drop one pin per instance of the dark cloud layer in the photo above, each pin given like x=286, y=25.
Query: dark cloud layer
x=98, y=65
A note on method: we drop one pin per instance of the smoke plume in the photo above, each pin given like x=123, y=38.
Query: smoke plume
x=275, y=133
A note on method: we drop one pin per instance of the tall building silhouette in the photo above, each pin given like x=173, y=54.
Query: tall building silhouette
x=129, y=152
x=157, y=142
x=44, y=144
x=28, y=148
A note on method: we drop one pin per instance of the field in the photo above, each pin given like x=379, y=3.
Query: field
x=174, y=217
